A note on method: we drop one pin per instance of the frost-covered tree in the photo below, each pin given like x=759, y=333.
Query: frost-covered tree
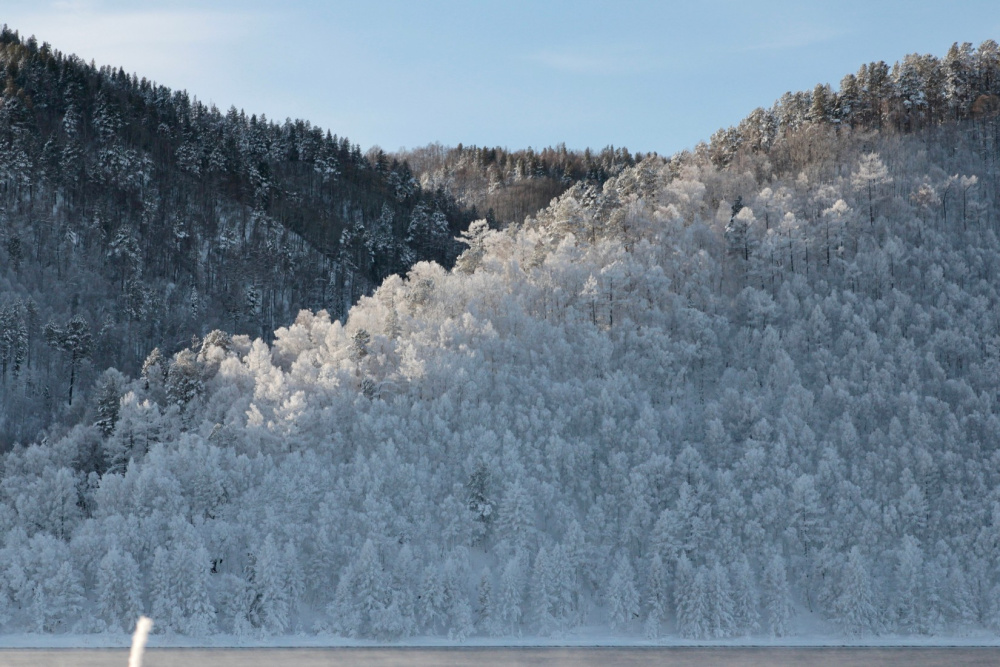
x=184, y=379
x=869, y=178
x=856, y=603
x=746, y=617
x=273, y=586
x=909, y=591
x=657, y=597
x=363, y=594
x=475, y=238
x=119, y=592
x=690, y=600
x=109, y=394
x=623, y=598
x=776, y=597
x=510, y=594
x=719, y=601
x=486, y=611
x=179, y=588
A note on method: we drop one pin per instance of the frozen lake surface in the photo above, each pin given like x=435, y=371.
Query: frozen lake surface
x=505, y=657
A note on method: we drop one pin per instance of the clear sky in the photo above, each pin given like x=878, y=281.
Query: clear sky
x=652, y=76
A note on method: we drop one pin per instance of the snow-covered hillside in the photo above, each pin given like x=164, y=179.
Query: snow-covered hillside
x=693, y=403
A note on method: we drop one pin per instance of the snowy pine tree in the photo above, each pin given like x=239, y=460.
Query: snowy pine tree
x=775, y=597
x=119, y=596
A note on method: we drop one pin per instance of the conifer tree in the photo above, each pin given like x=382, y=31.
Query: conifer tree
x=119, y=595
x=856, y=608
x=775, y=596
x=75, y=340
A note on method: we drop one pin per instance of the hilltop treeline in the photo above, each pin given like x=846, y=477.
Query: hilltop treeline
x=506, y=186
x=918, y=92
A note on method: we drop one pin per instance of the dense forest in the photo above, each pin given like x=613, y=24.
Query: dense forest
x=748, y=390
x=919, y=92
x=507, y=186
x=133, y=217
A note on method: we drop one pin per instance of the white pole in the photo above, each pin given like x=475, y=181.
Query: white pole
x=142, y=628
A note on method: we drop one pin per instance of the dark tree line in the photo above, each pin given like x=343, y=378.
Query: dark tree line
x=506, y=186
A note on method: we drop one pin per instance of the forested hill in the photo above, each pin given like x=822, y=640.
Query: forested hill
x=132, y=216
x=921, y=91
x=918, y=92
x=713, y=398
x=507, y=186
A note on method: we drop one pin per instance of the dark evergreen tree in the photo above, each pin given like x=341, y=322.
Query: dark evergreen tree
x=74, y=339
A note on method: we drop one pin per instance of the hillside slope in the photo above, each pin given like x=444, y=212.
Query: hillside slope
x=704, y=400
x=146, y=217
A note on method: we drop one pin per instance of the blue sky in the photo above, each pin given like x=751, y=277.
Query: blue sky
x=652, y=76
